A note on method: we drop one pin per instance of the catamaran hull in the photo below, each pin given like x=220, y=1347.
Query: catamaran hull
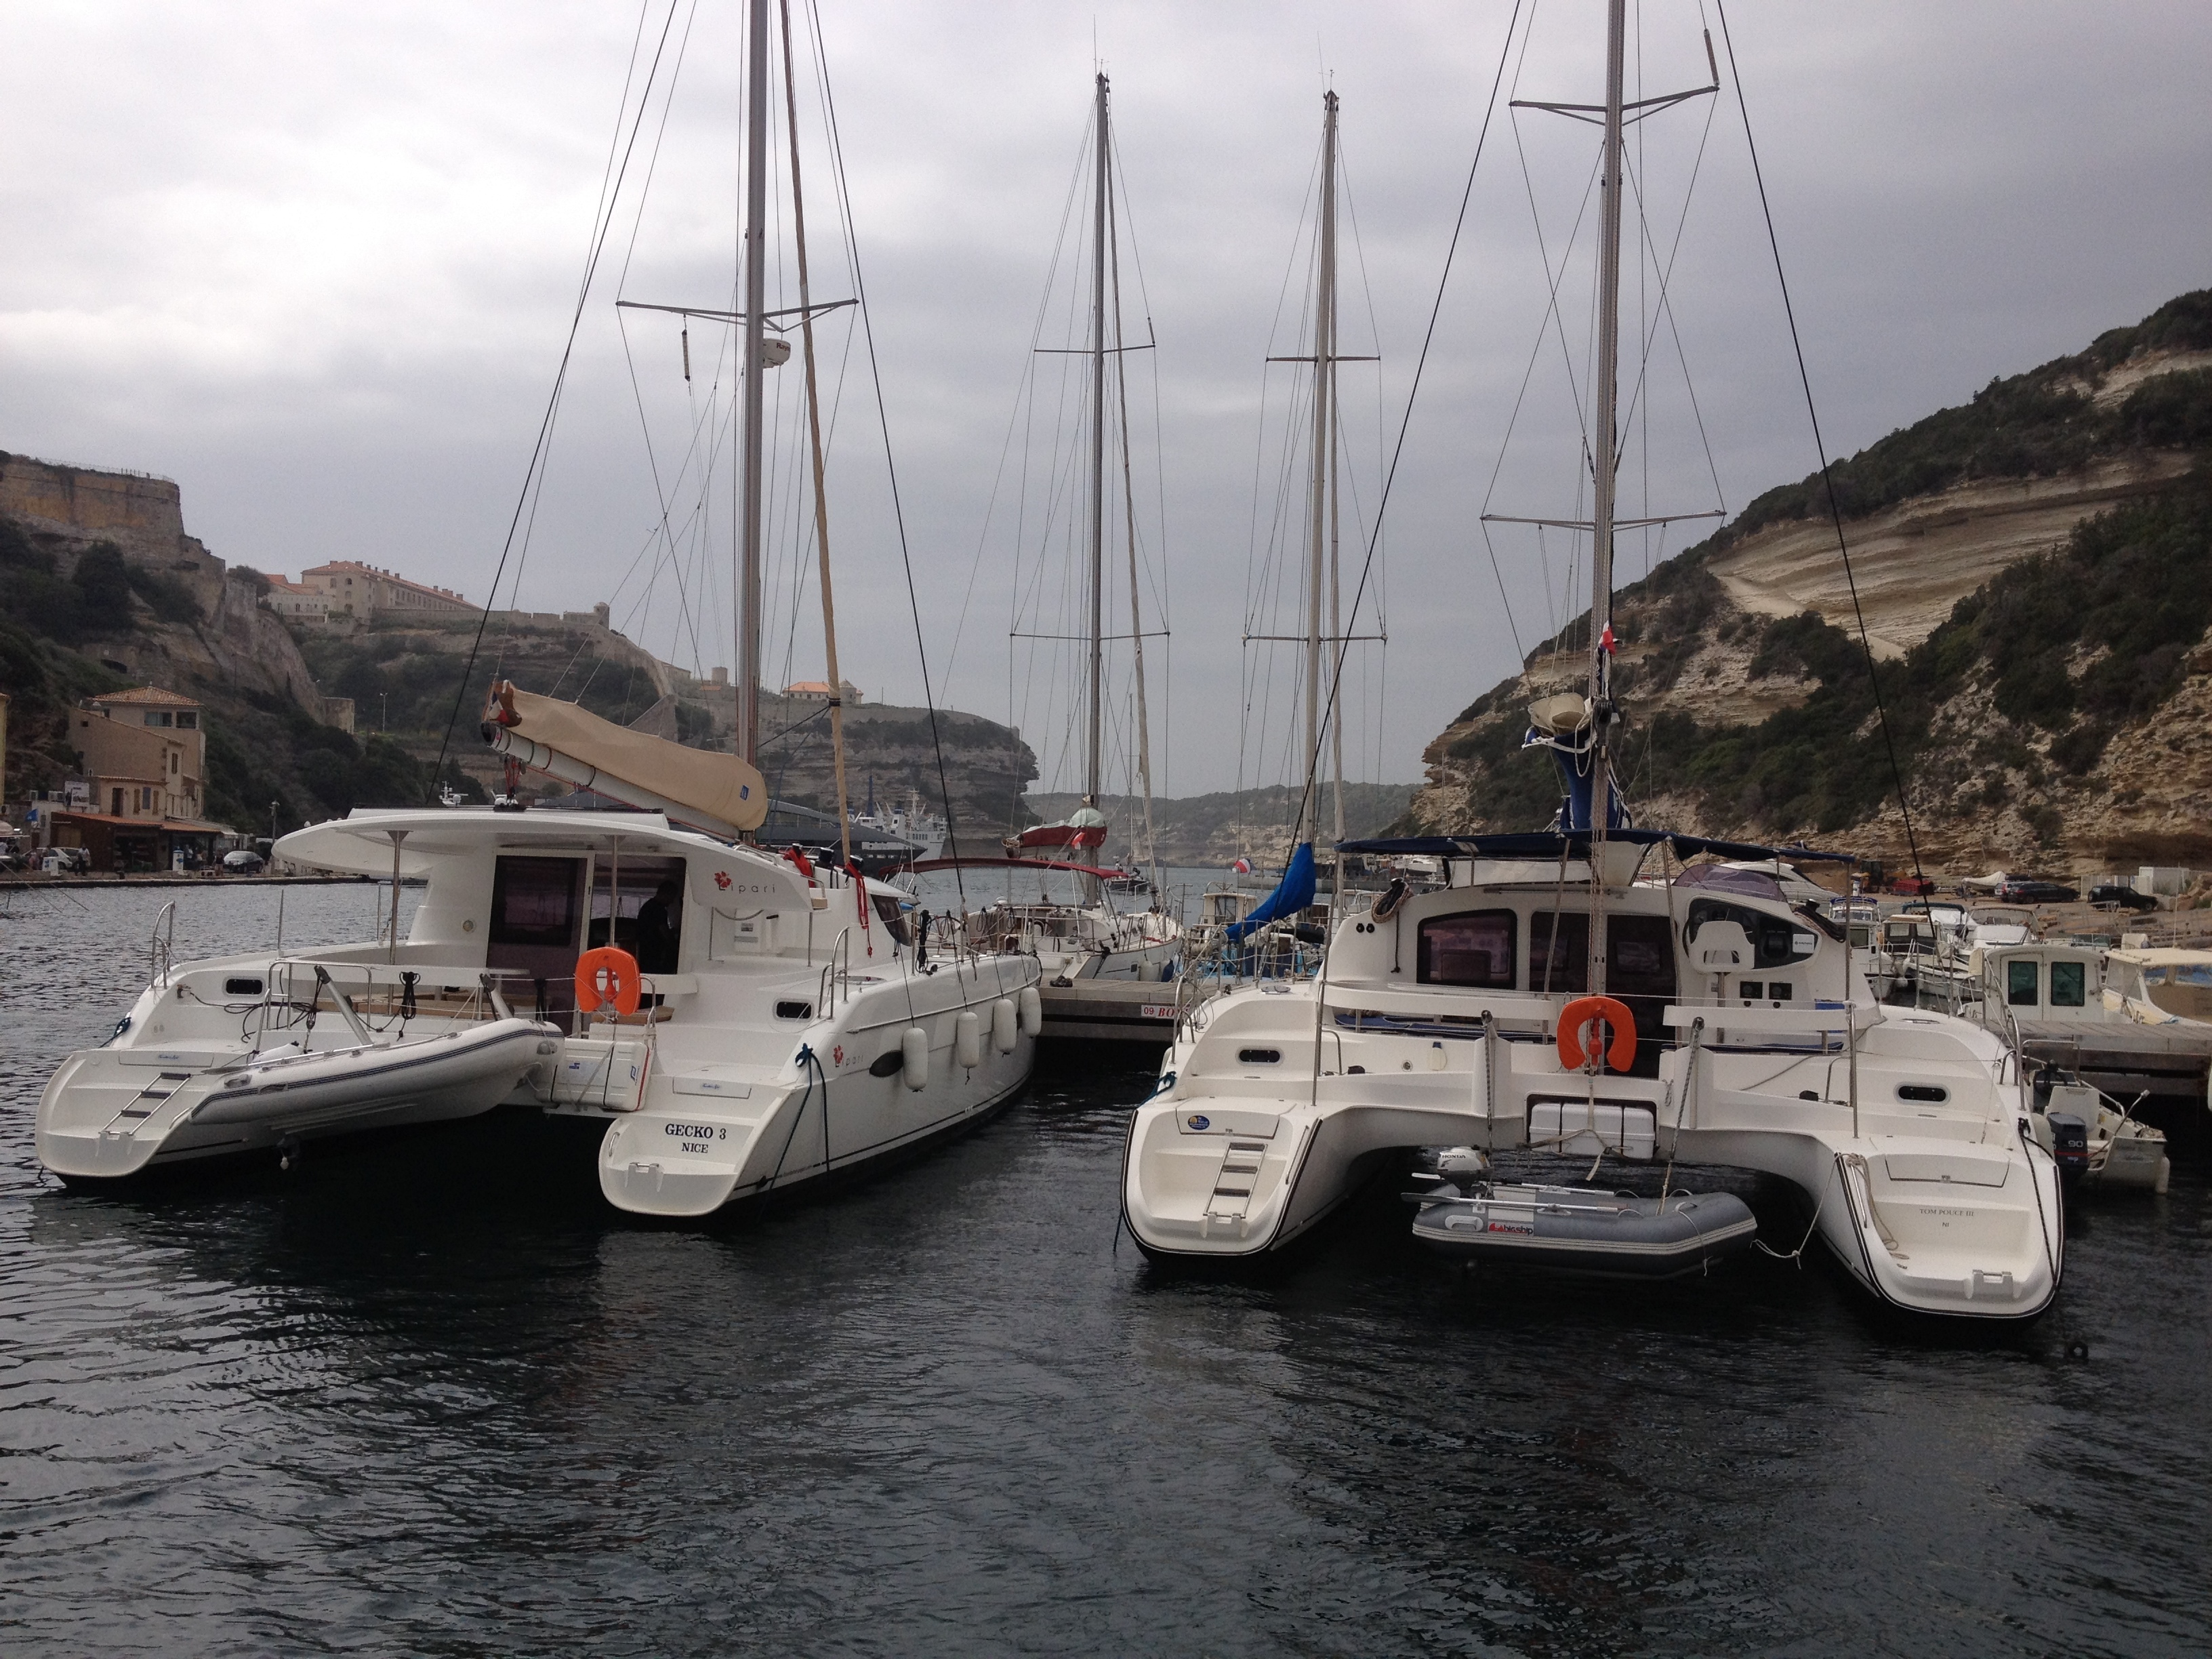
x=684, y=1156
x=109, y=1114
x=1934, y=1227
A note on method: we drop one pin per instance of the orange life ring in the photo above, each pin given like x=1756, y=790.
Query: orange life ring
x=1584, y=1011
x=608, y=975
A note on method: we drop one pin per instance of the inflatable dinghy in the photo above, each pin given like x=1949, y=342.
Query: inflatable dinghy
x=1582, y=1228
x=108, y=1114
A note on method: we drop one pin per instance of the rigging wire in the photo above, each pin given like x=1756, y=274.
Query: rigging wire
x=1827, y=481
x=602, y=214
x=1413, y=393
x=883, y=411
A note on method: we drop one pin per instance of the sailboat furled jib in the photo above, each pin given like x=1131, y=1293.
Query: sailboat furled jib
x=722, y=794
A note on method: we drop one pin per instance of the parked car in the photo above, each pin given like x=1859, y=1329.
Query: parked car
x=1914, y=886
x=242, y=863
x=2027, y=890
x=2114, y=897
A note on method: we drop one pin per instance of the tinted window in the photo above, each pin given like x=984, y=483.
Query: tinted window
x=1474, y=949
x=2020, y=984
x=1639, y=952
x=2069, y=984
x=533, y=901
x=1561, y=963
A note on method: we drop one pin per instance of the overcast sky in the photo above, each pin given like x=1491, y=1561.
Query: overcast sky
x=316, y=263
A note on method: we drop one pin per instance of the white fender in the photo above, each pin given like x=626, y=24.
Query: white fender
x=914, y=1046
x=968, y=1040
x=1032, y=1007
x=1002, y=1024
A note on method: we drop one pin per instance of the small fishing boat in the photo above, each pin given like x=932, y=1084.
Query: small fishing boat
x=2092, y=1142
x=1582, y=1229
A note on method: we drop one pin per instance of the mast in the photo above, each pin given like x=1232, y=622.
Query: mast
x=1605, y=443
x=814, y=433
x=1092, y=777
x=1328, y=354
x=749, y=566
x=1319, y=540
x=1136, y=591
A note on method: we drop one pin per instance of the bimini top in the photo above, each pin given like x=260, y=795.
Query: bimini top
x=1550, y=843
x=362, y=842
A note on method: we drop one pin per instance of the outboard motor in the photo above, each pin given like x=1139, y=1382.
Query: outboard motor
x=2069, y=1145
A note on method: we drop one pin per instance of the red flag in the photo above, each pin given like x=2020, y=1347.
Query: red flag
x=1604, y=640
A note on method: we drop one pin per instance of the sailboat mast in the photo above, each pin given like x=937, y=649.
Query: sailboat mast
x=1093, y=781
x=1335, y=500
x=1324, y=335
x=749, y=564
x=1606, y=444
x=814, y=434
x=1144, y=757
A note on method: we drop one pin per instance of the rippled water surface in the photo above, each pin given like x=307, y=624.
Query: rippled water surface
x=426, y=1394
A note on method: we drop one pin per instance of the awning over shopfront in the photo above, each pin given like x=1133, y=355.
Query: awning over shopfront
x=113, y=841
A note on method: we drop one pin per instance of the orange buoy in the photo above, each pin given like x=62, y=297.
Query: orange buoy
x=1611, y=1012
x=608, y=975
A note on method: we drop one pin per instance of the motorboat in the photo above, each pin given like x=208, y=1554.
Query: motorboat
x=2095, y=1143
x=2089, y=1011
x=787, y=1023
x=2160, y=987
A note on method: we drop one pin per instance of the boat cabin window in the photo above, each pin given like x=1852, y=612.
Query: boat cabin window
x=1775, y=941
x=2069, y=984
x=1476, y=948
x=2020, y=984
x=537, y=928
x=895, y=924
x=645, y=917
x=533, y=901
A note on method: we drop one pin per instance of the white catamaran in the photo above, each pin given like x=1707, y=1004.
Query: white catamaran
x=1540, y=996
x=745, y=1022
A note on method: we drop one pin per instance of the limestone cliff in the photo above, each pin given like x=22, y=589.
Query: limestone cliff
x=2034, y=571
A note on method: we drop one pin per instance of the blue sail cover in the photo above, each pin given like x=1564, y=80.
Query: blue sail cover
x=1291, y=895
x=1572, y=753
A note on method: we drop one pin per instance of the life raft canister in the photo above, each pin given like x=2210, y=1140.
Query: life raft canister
x=607, y=975
x=1583, y=1012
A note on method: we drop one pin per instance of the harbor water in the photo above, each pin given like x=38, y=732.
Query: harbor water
x=426, y=1392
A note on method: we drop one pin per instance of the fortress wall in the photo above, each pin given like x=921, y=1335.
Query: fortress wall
x=120, y=505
